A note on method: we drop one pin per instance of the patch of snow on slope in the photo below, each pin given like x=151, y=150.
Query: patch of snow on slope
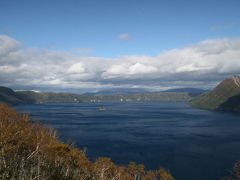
x=236, y=80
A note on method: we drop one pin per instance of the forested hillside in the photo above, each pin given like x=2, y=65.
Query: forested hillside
x=11, y=97
x=224, y=96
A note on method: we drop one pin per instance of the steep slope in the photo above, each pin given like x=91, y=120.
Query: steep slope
x=226, y=91
x=10, y=97
x=191, y=91
x=232, y=104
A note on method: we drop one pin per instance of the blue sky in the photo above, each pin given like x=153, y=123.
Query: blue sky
x=93, y=44
x=152, y=25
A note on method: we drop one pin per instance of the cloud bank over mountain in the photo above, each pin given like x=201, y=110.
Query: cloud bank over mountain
x=199, y=65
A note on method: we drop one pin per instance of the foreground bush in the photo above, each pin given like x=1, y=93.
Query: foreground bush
x=31, y=151
x=235, y=172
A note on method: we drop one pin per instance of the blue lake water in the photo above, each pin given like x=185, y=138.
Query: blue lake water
x=193, y=144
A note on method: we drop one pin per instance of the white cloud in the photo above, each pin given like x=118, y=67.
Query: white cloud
x=115, y=70
x=128, y=70
x=207, y=61
x=76, y=69
x=123, y=36
x=8, y=45
x=139, y=68
x=191, y=68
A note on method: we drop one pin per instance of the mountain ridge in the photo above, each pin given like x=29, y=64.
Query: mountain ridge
x=11, y=97
x=222, y=95
x=112, y=91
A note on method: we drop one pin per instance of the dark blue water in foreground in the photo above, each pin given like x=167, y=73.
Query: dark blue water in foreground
x=193, y=144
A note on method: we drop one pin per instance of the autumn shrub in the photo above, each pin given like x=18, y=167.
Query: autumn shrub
x=30, y=150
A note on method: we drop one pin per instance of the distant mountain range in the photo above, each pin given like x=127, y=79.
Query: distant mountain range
x=118, y=91
x=141, y=91
x=226, y=96
x=191, y=91
x=46, y=97
x=11, y=97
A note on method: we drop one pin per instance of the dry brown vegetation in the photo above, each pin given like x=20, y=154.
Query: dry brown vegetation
x=235, y=172
x=31, y=151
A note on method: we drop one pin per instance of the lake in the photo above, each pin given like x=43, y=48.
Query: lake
x=193, y=144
